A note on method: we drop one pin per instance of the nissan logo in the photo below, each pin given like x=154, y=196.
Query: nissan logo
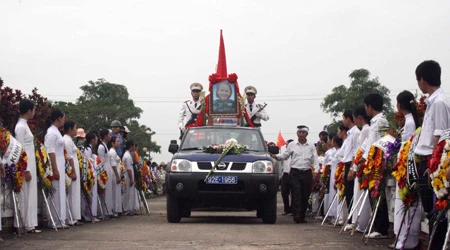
x=222, y=166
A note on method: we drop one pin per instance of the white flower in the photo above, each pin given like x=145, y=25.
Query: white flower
x=447, y=145
x=446, y=184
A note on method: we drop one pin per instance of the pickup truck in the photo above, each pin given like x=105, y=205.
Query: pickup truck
x=246, y=181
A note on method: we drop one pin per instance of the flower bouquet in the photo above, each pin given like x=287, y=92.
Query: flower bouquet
x=44, y=170
x=89, y=182
x=231, y=146
x=123, y=181
x=360, y=167
x=102, y=176
x=409, y=194
x=373, y=173
x=16, y=160
x=68, y=170
x=339, y=182
x=146, y=178
x=438, y=166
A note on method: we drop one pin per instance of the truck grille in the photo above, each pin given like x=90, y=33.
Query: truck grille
x=238, y=166
x=235, y=166
x=204, y=165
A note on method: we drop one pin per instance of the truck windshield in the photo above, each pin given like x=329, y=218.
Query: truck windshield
x=197, y=138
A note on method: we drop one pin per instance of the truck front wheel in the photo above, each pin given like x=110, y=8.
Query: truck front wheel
x=173, y=209
x=269, y=213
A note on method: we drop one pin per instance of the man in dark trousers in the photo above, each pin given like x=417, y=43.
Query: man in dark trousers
x=285, y=185
x=304, y=157
x=436, y=120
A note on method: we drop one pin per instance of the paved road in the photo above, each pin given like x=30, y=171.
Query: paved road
x=204, y=230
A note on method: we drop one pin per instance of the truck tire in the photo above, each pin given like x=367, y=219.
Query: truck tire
x=259, y=213
x=269, y=213
x=185, y=212
x=173, y=209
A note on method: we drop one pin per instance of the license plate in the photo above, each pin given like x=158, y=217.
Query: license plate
x=222, y=180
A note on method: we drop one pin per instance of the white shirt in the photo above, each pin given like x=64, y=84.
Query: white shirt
x=363, y=135
x=409, y=128
x=114, y=158
x=436, y=120
x=376, y=123
x=128, y=161
x=88, y=152
x=351, y=145
x=26, y=138
x=255, y=108
x=303, y=156
x=329, y=156
x=187, y=109
x=287, y=166
x=70, y=147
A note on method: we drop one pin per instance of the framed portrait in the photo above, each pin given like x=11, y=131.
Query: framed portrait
x=224, y=100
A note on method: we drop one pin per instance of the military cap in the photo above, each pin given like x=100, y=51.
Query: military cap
x=250, y=89
x=196, y=86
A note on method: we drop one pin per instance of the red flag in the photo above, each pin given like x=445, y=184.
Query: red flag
x=280, y=140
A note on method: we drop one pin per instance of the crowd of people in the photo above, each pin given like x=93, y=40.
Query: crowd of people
x=77, y=159
x=81, y=177
x=344, y=158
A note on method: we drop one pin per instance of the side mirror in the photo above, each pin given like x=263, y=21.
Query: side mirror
x=274, y=150
x=173, y=147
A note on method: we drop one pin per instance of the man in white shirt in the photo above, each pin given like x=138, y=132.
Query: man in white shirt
x=436, y=120
x=361, y=119
x=285, y=186
x=349, y=153
x=374, y=107
x=190, y=108
x=303, y=157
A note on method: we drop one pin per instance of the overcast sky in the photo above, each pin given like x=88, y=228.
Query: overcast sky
x=293, y=52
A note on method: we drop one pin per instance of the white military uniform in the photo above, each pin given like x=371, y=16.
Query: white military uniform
x=189, y=108
x=252, y=109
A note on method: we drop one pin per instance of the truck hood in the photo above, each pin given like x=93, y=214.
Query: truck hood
x=198, y=155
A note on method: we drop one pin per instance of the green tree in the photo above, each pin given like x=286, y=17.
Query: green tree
x=102, y=102
x=343, y=98
x=142, y=135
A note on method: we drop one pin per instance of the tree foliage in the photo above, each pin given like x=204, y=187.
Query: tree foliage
x=9, y=106
x=102, y=102
x=343, y=98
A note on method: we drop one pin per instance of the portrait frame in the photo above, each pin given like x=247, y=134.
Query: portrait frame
x=223, y=107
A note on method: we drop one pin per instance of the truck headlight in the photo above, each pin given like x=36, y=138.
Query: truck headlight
x=181, y=166
x=262, y=167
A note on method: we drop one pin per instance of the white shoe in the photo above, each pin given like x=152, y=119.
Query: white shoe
x=376, y=235
x=349, y=227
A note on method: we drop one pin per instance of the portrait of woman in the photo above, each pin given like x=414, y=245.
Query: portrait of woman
x=224, y=98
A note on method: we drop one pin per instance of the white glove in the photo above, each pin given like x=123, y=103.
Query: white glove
x=258, y=114
x=183, y=129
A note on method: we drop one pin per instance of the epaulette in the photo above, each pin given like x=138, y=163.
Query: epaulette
x=187, y=101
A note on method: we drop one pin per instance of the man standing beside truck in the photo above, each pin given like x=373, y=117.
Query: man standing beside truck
x=304, y=157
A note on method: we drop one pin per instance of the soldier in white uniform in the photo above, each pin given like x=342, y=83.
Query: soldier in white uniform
x=190, y=108
x=256, y=112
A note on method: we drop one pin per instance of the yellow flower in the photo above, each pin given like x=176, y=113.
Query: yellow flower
x=371, y=184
